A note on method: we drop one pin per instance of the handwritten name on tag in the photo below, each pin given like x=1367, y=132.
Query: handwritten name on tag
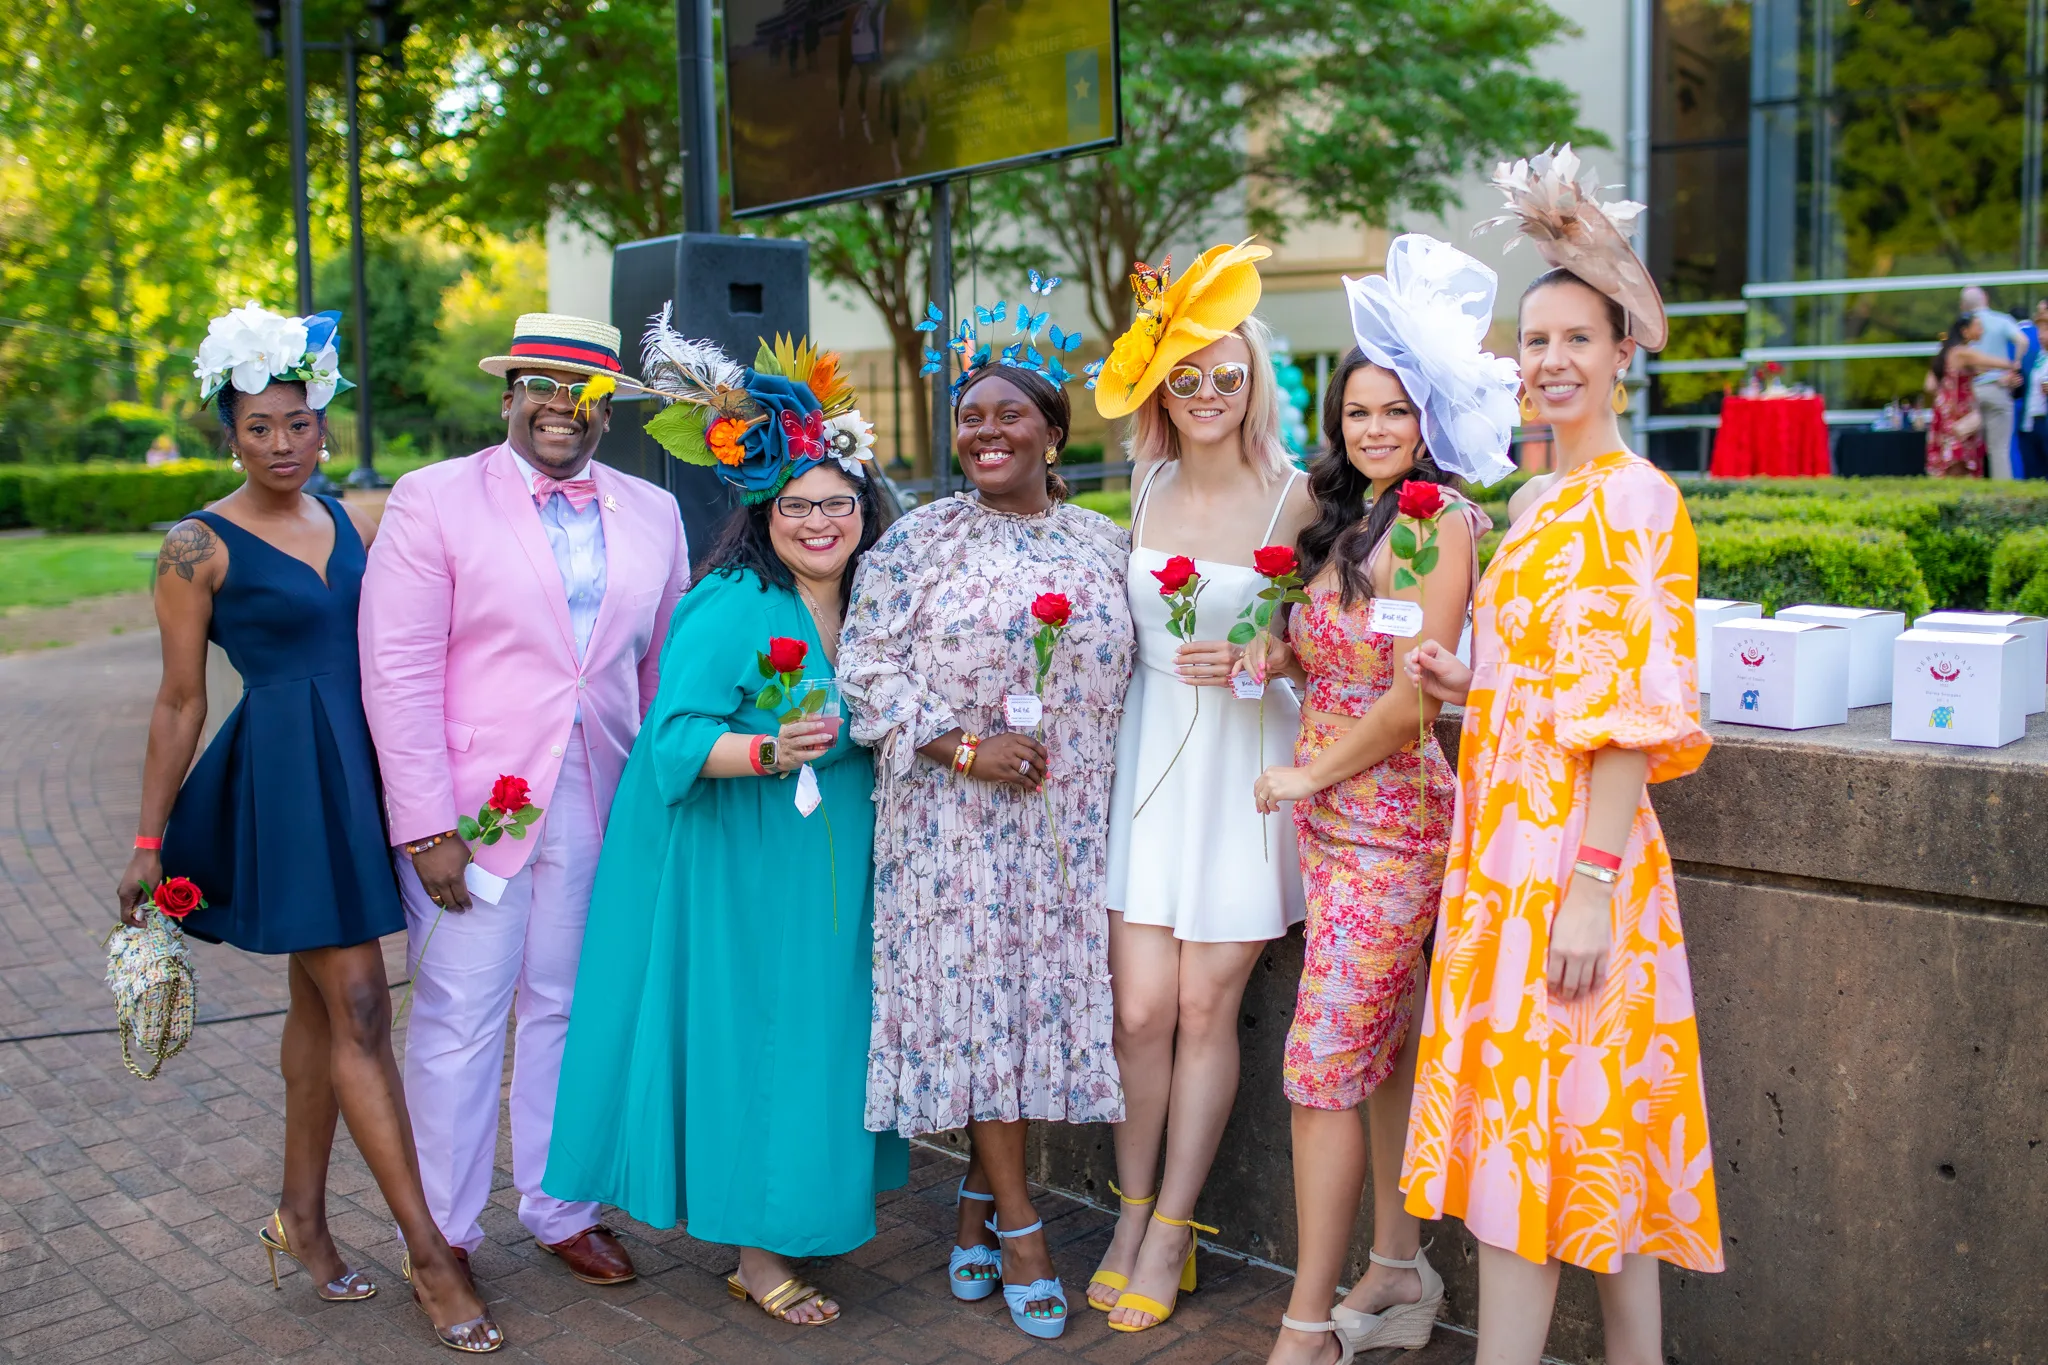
x=807, y=794
x=1390, y=616
x=1023, y=711
x=1247, y=688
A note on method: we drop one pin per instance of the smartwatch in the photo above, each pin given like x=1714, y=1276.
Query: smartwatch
x=768, y=750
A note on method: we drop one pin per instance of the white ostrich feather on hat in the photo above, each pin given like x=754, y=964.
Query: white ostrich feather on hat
x=681, y=369
x=1573, y=229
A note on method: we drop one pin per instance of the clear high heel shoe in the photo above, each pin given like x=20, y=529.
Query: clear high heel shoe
x=351, y=1287
x=1405, y=1326
x=477, y=1336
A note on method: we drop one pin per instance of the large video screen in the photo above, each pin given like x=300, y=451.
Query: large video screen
x=836, y=99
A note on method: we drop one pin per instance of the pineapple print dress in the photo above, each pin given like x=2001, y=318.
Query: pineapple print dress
x=1570, y=1130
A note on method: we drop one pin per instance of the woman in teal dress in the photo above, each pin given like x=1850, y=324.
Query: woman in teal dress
x=716, y=1065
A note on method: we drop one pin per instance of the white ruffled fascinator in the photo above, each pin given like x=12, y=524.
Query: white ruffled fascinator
x=252, y=346
x=1424, y=320
x=1573, y=230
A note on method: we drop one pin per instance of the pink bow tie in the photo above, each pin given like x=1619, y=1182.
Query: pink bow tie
x=580, y=492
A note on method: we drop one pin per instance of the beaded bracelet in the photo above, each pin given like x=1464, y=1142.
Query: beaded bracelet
x=963, y=754
x=414, y=850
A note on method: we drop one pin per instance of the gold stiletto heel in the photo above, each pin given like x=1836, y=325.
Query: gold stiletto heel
x=352, y=1286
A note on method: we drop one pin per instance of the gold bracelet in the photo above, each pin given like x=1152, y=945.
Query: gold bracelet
x=963, y=754
x=1606, y=875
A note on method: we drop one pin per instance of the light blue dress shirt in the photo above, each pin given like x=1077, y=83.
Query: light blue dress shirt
x=577, y=542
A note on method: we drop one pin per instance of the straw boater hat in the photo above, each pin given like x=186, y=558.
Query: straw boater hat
x=557, y=341
x=1175, y=319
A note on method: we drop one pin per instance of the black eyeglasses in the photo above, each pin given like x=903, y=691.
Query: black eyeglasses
x=796, y=509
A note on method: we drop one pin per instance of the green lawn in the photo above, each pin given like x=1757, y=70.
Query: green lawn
x=48, y=571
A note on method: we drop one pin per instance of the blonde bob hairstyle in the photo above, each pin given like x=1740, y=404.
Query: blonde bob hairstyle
x=1154, y=436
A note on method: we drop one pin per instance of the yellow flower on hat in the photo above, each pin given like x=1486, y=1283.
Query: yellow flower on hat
x=1218, y=292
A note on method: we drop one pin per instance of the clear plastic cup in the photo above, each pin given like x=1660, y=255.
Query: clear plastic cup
x=819, y=699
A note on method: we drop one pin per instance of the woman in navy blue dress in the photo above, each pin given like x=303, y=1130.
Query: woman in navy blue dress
x=281, y=821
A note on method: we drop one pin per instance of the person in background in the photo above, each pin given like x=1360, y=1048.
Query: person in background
x=1994, y=387
x=1198, y=882
x=729, y=931
x=2033, y=398
x=1560, y=1109
x=273, y=576
x=992, y=1002
x=513, y=616
x=1374, y=802
x=1955, y=433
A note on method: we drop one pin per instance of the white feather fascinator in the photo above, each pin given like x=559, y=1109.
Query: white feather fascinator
x=1424, y=320
x=1562, y=213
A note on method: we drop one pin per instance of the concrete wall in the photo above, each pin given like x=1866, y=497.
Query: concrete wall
x=1868, y=926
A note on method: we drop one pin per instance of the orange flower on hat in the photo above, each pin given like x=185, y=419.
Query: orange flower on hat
x=724, y=440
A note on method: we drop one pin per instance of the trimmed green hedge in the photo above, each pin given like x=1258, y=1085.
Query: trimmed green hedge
x=1783, y=563
x=114, y=497
x=2019, y=574
x=12, y=513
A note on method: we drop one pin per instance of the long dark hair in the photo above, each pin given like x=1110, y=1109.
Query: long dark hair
x=1950, y=340
x=1050, y=400
x=1348, y=527
x=743, y=543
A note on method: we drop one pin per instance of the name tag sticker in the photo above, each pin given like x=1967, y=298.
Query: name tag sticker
x=1023, y=711
x=808, y=796
x=1247, y=688
x=1391, y=616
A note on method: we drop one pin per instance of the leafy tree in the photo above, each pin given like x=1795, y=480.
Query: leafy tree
x=404, y=281
x=1336, y=109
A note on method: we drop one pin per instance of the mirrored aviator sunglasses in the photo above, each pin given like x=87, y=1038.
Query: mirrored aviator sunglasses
x=1185, y=381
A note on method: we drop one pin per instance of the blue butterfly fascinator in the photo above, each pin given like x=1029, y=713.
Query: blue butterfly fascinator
x=1034, y=343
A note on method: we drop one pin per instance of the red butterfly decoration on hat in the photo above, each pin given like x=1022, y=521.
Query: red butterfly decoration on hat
x=806, y=435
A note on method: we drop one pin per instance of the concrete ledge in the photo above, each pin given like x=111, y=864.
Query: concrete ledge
x=1868, y=924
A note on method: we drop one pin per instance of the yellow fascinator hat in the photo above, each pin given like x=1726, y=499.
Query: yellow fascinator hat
x=1175, y=319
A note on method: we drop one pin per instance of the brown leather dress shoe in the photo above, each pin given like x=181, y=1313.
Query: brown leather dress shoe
x=594, y=1256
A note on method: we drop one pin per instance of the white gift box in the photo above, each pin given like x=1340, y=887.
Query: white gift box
x=1871, y=633
x=2032, y=627
x=1709, y=612
x=1961, y=686
x=1789, y=675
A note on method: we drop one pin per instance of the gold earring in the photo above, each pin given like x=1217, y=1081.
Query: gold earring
x=1528, y=407
x=1052, y=453
x=1619, y=400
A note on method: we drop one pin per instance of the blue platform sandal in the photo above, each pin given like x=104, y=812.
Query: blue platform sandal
x=973, y=1272
x=1045, y=1324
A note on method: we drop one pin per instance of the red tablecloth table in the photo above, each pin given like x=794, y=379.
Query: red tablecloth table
x=1787, y=437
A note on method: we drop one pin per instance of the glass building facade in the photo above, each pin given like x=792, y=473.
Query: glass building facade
x=1822, y=172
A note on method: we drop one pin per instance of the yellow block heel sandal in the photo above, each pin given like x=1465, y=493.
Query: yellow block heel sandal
x=1110, y=1277
x=1162, y=1311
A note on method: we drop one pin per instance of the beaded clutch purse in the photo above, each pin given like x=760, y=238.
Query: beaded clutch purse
x=154, y=994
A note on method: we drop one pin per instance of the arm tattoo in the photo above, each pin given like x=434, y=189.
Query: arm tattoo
x=188, y=545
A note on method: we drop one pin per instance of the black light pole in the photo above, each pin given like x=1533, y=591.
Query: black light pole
x=941, y=277
x=697, y=88
x=364, y=475
x=295, y=96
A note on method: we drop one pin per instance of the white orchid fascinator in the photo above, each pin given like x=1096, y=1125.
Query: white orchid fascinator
x=1573, y=229
x=252, y=347
x=1425, y=320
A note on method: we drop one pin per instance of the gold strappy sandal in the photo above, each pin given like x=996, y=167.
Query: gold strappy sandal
x=784, y=1299
x=478, y=1336
x=1110, y=1277
x=353, y=1285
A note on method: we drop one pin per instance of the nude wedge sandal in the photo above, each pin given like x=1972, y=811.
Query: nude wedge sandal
x=1404, y=1326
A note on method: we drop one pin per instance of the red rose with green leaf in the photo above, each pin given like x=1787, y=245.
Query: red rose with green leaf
x=509, y=810
x=177, y=897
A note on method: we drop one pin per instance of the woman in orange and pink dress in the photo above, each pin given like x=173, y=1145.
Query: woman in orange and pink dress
x=1559, y=1105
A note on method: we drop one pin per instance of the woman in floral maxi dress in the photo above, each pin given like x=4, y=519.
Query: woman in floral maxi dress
x=992, y=1002
x=1559, y=1107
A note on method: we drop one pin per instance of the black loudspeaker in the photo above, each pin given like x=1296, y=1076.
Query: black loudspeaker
x=731, y=290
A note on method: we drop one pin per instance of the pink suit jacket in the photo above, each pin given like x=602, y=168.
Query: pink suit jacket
x=469, y=658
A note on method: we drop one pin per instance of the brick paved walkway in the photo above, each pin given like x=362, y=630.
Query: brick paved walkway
x=128, y=1210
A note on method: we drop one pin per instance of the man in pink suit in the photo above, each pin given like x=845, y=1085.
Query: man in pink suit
x=512, y=619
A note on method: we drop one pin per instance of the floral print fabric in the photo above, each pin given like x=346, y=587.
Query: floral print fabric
x=1571, y=1130
x=991, y=975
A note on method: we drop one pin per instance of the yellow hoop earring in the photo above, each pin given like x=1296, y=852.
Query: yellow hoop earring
x=1619, y=401
x=1528, y=407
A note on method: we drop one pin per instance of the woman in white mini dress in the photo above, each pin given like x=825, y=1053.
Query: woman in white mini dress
x=1199, y=881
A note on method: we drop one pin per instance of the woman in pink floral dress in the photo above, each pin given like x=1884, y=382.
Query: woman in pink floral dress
x=992, y=1002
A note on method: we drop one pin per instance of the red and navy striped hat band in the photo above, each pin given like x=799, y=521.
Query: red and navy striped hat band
x=575, y=352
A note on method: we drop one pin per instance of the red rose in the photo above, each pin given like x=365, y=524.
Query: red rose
x=1052, y=608
x=1274, y=560
x=786, y=655
x=509, y=795
x=1421, y=500
x=1176, y=575
x=176, y=897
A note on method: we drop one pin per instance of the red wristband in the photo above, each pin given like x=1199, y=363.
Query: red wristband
x=754, y=755
x=151, y=845
x=1610, y=861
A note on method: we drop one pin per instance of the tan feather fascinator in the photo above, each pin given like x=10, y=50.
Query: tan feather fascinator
x=1562, y=213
